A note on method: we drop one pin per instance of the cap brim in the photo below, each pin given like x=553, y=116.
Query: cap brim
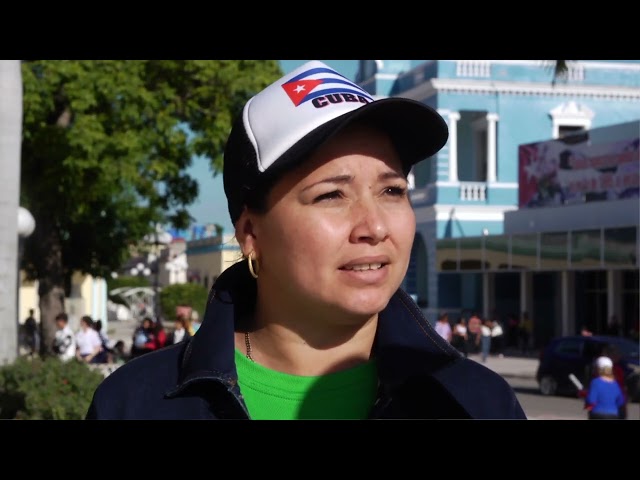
x=416, y=130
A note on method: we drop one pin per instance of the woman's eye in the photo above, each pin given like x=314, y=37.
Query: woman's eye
x=396, y=191
x=328, y=196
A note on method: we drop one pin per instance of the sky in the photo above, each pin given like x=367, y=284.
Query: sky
x=211, y=205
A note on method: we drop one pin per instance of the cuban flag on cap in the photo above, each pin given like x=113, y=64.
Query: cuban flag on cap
x=287, y=110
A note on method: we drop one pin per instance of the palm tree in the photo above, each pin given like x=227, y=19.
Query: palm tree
x=560, y=69
x=10, y=148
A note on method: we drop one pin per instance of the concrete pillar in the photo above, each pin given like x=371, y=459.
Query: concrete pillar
x=567, y=307
x=488, y=290
x=492, y=175
x=453, y=146
x=614, y=297
x=10, y=151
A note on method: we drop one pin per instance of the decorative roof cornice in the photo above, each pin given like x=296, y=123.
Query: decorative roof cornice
x=591, y=65
x=571, y=110
x=483, y=87
x=444, y=212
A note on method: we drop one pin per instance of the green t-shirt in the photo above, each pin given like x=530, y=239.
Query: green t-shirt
x=273, y=395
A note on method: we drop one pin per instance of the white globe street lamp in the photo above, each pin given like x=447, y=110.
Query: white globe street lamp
x=26, y=222
x=26, y=226
x=140, y=269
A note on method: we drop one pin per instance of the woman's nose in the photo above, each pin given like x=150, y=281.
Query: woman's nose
x=370, y=223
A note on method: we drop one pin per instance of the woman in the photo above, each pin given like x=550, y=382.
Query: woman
x=88, y=341
x=313, y=324
x=604, y=397
x=179, y=332
x=106, y=354
x=144, y=338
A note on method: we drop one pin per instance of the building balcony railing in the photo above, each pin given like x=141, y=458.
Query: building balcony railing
x=473, y=68
x=473, y=191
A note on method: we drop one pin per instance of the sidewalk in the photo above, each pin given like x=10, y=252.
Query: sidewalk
x=510, y=366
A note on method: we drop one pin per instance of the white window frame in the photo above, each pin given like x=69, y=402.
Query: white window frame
x=570, y=114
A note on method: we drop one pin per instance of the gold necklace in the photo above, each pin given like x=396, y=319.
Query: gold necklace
x=247, y=343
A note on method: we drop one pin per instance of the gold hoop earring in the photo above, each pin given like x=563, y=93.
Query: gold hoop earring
x=250, y=263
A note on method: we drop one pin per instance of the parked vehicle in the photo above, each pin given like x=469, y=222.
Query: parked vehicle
x=575, y=355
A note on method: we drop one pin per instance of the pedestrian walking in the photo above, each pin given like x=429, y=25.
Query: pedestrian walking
x=603, y=398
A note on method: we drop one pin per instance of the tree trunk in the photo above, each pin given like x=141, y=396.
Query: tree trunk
x=51, y=303
x=10, y=149
x=51, y=275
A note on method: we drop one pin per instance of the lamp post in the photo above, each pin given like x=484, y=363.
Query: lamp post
x=159, y=238
x=26, y=226
x=141, y=270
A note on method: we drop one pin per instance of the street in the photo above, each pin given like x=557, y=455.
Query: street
x=539, y=407
x=517, y=371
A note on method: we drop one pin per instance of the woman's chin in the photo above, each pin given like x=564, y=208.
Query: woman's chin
x=365, y=306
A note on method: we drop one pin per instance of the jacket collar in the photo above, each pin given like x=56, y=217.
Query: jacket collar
x=406, y=344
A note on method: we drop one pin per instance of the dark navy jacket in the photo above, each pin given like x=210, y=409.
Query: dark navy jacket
x=420, y=374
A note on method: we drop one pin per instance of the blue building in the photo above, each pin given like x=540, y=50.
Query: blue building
x=471, y=186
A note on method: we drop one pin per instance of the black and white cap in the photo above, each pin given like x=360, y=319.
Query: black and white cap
x=284, y=123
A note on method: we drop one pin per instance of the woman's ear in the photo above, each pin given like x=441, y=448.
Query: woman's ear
x=245, y=233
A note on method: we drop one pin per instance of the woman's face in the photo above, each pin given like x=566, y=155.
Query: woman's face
x=338, y=230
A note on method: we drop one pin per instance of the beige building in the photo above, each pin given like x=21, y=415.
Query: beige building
x=208, y=257
x=174, y=263
x=199, y=261
x=88, y=296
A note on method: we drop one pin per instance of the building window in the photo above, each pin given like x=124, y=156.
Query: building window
x=595, y=300
x=569, y=117
x=630, y=303
x=480, y=154
x=472, y=146
x=565, y=130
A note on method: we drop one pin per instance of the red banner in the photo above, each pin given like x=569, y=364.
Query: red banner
x=558, y=173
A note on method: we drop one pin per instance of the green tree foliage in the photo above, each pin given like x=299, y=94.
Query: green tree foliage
x=190, y=294
x=35, y=389
x=127, y=281
x=106, y=145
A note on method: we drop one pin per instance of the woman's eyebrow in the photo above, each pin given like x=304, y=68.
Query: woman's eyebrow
x=342, y=179
x=391, y=176
x=336, y=179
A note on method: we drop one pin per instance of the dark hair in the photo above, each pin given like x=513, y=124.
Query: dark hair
x=256, y=199
x=62, y=316
x=87, y=319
